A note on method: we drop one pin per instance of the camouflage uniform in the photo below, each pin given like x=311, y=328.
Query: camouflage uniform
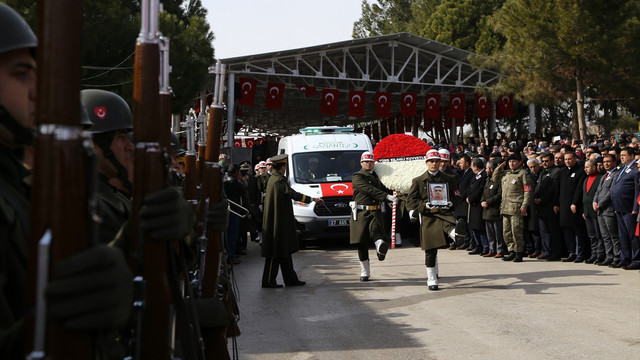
x=516, y=195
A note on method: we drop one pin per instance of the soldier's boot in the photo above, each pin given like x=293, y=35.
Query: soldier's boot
x=381, y=249
x=510, y=257
x=365, y=271
x=518, y=257
x=437, y=271
x=398, y=239
x=432, y=278
x=452, y=235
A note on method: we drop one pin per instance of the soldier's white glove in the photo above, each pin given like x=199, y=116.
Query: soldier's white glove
x=392, y=198
x=413, y=216
x=428, y=206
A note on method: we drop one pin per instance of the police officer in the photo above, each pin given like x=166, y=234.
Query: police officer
x=367, y=223
x=279, y=239
x=70, y=301
x=516, y=198
x=438, y=222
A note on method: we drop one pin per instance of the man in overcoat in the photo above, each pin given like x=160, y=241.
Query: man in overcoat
x=367, y=223
x=279, y=238
x=437, y=222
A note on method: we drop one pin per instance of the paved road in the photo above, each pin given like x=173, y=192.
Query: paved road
x=486, y=309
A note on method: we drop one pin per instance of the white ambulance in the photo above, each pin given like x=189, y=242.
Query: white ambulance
x=321, y=163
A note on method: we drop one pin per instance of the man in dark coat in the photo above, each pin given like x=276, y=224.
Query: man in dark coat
x=490, y=202
x=624, y=194
x=589, y=188
x=279, y=238
x=367, y=223
x=461, y=207
x=475, y=220
x=437, y=221
x=545, y=199
x=533, y=241
x=606, y=216
x=570, y=203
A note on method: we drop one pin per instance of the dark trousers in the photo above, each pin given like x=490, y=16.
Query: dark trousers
x=430, y=257
x=609, y=231
x=494, y=236
x=462, y=232
x=271, y=266
x=233, y=236
x=479, y=238
x=629, y=245
x=551, y=237
x=595, y=238
x=573, y=239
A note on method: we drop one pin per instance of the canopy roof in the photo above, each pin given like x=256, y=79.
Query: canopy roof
x=397, y=63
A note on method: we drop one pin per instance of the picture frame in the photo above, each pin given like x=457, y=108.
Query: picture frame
x=438, y=194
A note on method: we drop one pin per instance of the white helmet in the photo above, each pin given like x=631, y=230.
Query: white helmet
x=367, y=156
x=445, y=155
x=432, y=155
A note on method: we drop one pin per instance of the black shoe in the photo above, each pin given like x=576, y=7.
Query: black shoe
x=553, y=258
x=364, y=278
x=631, y=267
x=518, y=257
x=510, y=257
x=271, y=286
x=382, y=251
x=296, y=283
x=433, y=287
x=607, y=262
x=591, y=260
x=452, y=246
x=475, y=251
x=615, y=265
x=571, y=258
x=578, y=260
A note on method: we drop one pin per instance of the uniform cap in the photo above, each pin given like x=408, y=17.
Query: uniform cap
x=268, y=162
x=279, y=159
x=245, y=166
x=515, y=156
x=367, y=156
x=175, y=144
x=255, y=168
x=444, y=154
x=262, y=164
x=432, y=154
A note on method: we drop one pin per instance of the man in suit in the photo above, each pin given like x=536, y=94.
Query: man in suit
x=570, y=203
x=589, y=188
x=474, y=196
x=624, y=193
x=545, y=198
x=461, y=211
x=606, y=216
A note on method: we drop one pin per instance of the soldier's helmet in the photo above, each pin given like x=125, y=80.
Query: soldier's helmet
x=15, y=33
x=107, y=111
x=175, y=147
x=432, y=154
x=444, y=154
x=367, y=156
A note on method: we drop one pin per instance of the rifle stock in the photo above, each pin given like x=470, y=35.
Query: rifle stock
x=62, y=165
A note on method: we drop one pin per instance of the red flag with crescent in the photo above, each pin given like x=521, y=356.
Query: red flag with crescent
x=432, y=106
x=273, y=98
x=383, y=104
x=409, y=101
x=247, y=91
x=356, y=103
x=484, y=108
x=237, y=143
x=504, y=106
x=456, y=106
x=308, y=90
x=250, y=142
x=329, y=104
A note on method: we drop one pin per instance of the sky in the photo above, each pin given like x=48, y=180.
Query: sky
x=245, y=27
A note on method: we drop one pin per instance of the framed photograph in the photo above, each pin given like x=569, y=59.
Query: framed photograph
x=438, y=194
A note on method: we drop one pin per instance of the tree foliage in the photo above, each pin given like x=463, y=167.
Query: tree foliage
x=110, y=29
x=383, y=17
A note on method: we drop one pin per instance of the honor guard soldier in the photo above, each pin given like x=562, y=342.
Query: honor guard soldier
x=426, y=200
x=279, y=238
x=517, y=188
x=367, y=223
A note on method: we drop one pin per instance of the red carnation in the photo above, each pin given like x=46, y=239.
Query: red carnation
x=400, y=145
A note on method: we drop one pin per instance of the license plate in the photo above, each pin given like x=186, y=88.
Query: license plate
x=341, y=222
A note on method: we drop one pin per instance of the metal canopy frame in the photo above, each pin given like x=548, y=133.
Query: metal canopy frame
x=396, y=63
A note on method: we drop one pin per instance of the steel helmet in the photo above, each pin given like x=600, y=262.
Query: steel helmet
x=432, y=154
x=107, y=111
x=175, y=144
x=367, y=156
x=445, y=155
x=15, y=33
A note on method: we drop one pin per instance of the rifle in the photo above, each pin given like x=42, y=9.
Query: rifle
x=150, y=259
x=57, y=234
x=191, y=174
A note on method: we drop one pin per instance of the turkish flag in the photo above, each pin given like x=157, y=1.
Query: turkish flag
x=456, y=106
x=329, y=105
x=250, y=142
x=248, y=91
x=308, y=90
x=383, y=104
x=237, y=143
x=432, y=106
x=336, y=189
x=356, y=103
x=482, y=102
x=504, y=106
x=273, y=98
x=437, y=123
x=408, y=107
x=468, y=114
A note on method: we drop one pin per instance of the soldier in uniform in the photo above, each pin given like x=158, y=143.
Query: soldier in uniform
x=69, y=300
x=516, y=198
x=175, y=152
x=438, y=222
x=279, y=238
x=367, y=223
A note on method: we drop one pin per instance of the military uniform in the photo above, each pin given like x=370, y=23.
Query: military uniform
x=516, y=194
x=368, y=194
x=114, y=209
x=492, y=195
x=279, y=238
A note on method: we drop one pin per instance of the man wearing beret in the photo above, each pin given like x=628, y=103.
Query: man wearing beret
x=516, y=198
